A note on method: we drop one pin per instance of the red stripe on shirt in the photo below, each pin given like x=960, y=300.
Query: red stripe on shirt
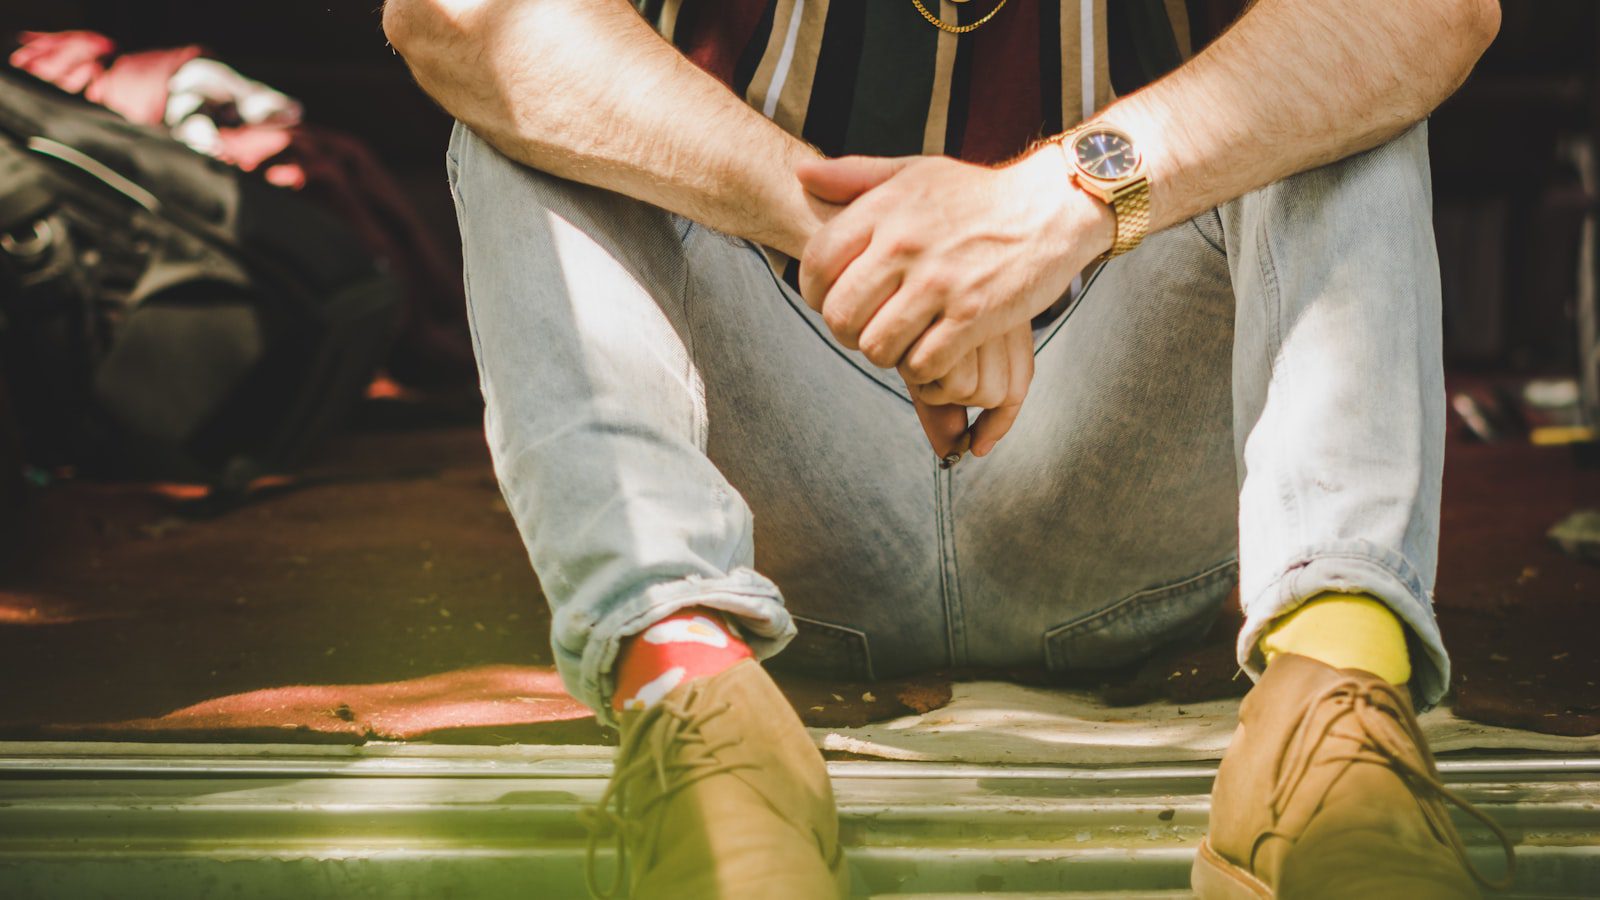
x=712, y=33
x=1003, y=98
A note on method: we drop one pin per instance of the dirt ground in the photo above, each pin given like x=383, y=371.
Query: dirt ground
x=387, y=595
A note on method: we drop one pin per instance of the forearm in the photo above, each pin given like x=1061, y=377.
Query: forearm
x=586, y=90
x=1293, y=85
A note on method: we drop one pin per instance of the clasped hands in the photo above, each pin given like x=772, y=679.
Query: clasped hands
x=935, y=267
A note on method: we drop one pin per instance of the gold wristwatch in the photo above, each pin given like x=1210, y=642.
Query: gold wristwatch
x=1107, y=167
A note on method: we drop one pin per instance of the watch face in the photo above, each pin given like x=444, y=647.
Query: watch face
x=1105, y=154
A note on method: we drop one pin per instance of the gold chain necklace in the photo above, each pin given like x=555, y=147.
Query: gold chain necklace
x=942, y=25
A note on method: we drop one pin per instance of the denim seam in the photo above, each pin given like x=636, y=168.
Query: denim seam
x=944, y=591
x=948, y=592
x=700, y=427
x=1195, y=223
x=1073, y=307
x=957, y=600
x=784, y=290
x=466, y=273
x=859, y=642
x=1126, y=606
x=1272, y=299
x=452, y=158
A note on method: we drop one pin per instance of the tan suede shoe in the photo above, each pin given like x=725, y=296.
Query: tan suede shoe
x=1328, y=790
x=719, y=792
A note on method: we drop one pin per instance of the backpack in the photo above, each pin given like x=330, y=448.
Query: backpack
x=163, y=315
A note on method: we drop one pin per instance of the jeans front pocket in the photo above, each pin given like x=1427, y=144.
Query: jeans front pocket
x=1139, y=623
x=824, y=650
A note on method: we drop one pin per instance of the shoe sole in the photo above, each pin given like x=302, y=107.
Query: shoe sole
x=1214, y=878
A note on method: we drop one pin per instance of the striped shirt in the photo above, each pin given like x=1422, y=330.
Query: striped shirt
x=873, y=77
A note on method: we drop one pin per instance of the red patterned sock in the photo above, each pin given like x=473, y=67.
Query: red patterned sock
x=688, y=644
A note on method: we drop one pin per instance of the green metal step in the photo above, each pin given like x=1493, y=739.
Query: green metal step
x=403, y=821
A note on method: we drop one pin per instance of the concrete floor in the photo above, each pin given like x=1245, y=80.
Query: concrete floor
x=388, y=596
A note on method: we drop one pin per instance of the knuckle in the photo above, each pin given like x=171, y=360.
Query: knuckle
x=963, y=312
x=921, y=369
x=835, y=317
x=877, y=353
x=900, y=245
x=943, y=355
x=938, y=282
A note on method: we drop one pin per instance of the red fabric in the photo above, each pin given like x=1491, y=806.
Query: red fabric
x=1004, y=103
x=135, y=84
x=69, y=60
x=714, y=34
x=686, y=645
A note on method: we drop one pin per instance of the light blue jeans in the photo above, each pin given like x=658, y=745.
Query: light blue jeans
x=1256, y=393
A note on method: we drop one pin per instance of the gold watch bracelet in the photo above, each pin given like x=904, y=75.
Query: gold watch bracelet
x=1130, y=207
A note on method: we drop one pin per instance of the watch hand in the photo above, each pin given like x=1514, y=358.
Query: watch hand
x=1099, y=159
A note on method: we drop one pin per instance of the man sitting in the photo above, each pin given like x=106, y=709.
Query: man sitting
x=734, y=266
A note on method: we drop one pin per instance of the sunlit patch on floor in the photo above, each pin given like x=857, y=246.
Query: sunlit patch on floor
x=24, y=608
x=481, y=697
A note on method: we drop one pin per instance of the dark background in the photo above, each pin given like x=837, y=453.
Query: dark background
x=1508, y=207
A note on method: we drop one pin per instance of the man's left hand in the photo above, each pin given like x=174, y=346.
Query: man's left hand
x=934, y=257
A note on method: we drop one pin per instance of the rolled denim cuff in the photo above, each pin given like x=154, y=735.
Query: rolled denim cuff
x=1355, y=567
x=752, y=600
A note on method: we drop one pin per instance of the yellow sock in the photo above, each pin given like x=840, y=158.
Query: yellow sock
x=1346, y=631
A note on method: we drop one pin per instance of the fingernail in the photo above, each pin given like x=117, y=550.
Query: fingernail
x=982, y=448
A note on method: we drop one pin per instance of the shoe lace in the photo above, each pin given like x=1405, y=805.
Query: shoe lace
x=674, y=754
x=1392, y=738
